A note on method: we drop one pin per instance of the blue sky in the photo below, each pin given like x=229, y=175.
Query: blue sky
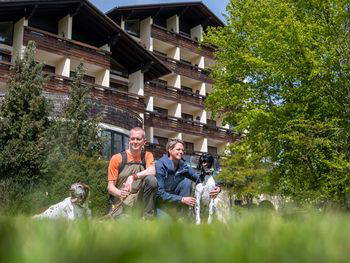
x=217, y=6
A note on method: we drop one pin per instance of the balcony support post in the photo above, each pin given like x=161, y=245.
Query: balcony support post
x=149, y=103
x=65, y=26
x=201, y=145
x=136, y=81
x=149, y=134
x=173, y=24
x=63, y=67
x=145, y=33
x=197, y=33
x=103, y=77
x=18, y=33
x=175, y=110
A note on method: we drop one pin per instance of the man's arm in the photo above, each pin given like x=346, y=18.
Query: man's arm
x=121, y=193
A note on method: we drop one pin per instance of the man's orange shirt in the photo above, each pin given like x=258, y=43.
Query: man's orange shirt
x=116, y=160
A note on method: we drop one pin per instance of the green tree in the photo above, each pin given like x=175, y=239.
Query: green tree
x=282, y=80
x=24, y=120
x=77, y=130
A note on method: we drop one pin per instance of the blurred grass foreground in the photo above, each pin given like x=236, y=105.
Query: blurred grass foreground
x=253, y=237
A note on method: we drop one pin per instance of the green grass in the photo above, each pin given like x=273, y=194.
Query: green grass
x=253, y=237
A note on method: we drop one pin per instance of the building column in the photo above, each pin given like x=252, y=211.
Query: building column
x=103, y=77
x=149, y=103
x=177, y=135
x=63, y=67
x=197, y=33
x=203, y=116
x=136, y=80
x=203, y=89
x=173, y=24
x=149, y=134
x=201, y=145
x=145, y=33
x=174, y=53
x=65, y=26
x=175, y=110
x=18, y=34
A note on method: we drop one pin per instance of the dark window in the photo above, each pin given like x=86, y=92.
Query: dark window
x=159, y=53
x=50, y=69
x=114, y=142
x=89, y=79
x=6, y=33
x=5, y=55
x=211, y=122
x=188, y=89
x=119, y=86
x=120, y=72
x=213, y=150
x=161, y=111
x=161, y=82
x=185, y=61
x=160, y=140
x=189, y=147
x=133, y=27
x=186, y=116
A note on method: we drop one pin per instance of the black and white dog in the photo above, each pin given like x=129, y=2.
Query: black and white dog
x=73, y=207
x=218, y=205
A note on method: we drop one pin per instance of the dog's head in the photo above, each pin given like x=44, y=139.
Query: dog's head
x=79, y=192
x=205, y=162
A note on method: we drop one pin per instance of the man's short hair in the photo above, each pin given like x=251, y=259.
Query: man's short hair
x=172, y=142
x=137, y=129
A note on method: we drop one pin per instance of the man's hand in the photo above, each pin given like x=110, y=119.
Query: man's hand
x=214, y=193
x=123, y=193
x=190, y=201
x=128, y=183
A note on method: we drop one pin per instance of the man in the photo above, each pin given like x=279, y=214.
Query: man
x=131, y=176
x=175, y=178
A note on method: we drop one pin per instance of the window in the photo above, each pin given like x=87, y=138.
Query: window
x=161, y=111
x=162, y=141
x=6, y=33
x=188, y=89
x=189, y=147
x=213, y=150
x=114, y=142
x=49, y=69
x=119, y=86
x=133, y=27
x=5, y=55
x=186, y=116
x=160, y=53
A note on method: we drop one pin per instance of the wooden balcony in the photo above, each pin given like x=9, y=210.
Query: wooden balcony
x=67, y=47
x=105, y=95
x=4, y=70
x=179, y=40
x=185, y=69
x=156, y=149
x=171, y=93
x=153, y=119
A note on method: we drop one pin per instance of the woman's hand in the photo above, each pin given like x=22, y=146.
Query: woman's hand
x=214, y=193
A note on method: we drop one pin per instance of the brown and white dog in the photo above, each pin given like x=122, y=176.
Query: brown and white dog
x=73, y=207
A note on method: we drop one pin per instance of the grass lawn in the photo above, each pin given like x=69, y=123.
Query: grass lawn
x=250, y=237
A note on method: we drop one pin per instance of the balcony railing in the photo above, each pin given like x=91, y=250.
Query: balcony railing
x=175, y=124
x=174, y=94
x=67, y=47
x=106, y=95
x=185, y=69
x=4, y=70
x=179, y=40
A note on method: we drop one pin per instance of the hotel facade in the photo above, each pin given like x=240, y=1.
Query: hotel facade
x=143, y=63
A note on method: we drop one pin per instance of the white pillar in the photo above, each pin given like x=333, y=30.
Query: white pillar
x=203, y=116
x=18, y=33
x=203, y=89
x=175, y=81
x=173, y=24
x=136, y=82
x=65, y=26
x=149, y=134
x=197, y=33
x=175, y=110
x=201, y=145
x=149, y=103
x=63, y=67
x=106, y=47
x=177, y=135
x=145, y=33
x=174, y=53
x=199, y=61
x=122, y=23
x=103, y=77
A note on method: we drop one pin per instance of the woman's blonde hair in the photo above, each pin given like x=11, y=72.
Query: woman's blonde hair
x=172, y=142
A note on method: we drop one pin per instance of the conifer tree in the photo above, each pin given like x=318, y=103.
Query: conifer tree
x=24, y=120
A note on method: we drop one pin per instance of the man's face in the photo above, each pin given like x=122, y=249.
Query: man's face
x=136, y=140
x=177, y=152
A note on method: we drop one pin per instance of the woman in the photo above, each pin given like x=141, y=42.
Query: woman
x=175, y=178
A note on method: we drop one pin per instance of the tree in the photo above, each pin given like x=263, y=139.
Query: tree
x=77, y=130
x=24, y=120
x=282, y=80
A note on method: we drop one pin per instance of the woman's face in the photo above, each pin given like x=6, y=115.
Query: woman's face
x=177, y=152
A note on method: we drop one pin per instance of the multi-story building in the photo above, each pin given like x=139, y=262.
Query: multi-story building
x=69, y=31
x=144, y=64
x=175, y=103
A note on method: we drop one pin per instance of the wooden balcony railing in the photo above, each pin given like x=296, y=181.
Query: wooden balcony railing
x=4, y=70
x=185, y=69
x=174, y=94
x=175, y=124
x=179, y=40
x=105, y=95
x=156, y=149
x=67, y=47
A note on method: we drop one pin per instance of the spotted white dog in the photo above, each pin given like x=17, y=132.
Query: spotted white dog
x=218, y=205
x=73, y=207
